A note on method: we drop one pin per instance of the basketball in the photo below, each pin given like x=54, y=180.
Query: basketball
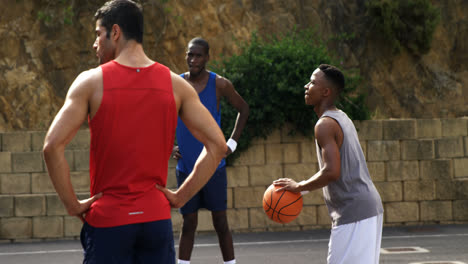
x=283, y=206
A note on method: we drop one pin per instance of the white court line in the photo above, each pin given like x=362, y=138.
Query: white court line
x=235, y=244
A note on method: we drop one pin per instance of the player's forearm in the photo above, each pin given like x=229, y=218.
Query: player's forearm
x=204, y=168
x=59, y=173
x=241, y=121
x=321, y=179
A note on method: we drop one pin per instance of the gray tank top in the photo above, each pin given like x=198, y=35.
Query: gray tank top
x=353, y=196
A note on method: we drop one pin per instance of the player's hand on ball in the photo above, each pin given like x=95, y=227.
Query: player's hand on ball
x=287, y=184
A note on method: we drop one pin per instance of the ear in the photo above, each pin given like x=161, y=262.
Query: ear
x=115, y=32
x=327, y=91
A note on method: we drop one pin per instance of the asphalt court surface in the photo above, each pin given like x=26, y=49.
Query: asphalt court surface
x=436, y=244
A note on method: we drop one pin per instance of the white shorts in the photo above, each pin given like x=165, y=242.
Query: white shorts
x=357, y=242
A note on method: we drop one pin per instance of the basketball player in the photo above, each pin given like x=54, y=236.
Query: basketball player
x=210, y=88
x=353, y=202
x=132, y=104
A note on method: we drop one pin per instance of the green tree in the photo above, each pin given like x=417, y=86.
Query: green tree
x=270, y=74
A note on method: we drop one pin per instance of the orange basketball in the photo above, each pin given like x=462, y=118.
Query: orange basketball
x=283, y=206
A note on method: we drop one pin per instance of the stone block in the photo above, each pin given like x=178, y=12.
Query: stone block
x=30, y=205
x=72, y=226
x=237, y=176
x=376, y=171
x=16, y=142
x=15, y=183
x=205, y=221
x=274, y=153
x=81, y=140
x=429, y=128
x=238, y=219
x=402, y=170
x=172, y=164
x=255, y=155
x=291, y=153
x=171, y=182
x=436, y=211
x=308, y=216
x=81, y=158
x=6, y=206
x=323, y=217
x=383, y=150
x=230, y=198
x=80, y=181
x=5, y=162
x=291, y=135
x=466, y=146
x=273, y=138
x=177, y=220
x=41, y=183
x=422, y=149
x=461, y=168
x=55, y=205
x=15, y=228
x=445, y=190
x=308, y=152
x=264, y=175
x=460, y=210
x=300, y=172
x=314, y=198
x=37, y=140
x=363, y=148
x=454, y=127
x=27, y=162
x=401, y=212
x=47, y=227
x=398, y=129
x=419, y=190
x=259, y=219
x=369, y=129
x=461, y=190
x=248, y=197
x=390, y=191
x=449, y=147
x=435, y=169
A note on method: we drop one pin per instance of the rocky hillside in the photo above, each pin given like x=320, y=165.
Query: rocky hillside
x=44, y=45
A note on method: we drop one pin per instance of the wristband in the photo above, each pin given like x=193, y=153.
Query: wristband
x=232, y=144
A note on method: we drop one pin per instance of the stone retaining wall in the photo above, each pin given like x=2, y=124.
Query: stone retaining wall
x=419, y=166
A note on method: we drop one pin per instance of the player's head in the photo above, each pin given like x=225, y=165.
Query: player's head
x=326, y=82
x=117, y=18
x=197, y=55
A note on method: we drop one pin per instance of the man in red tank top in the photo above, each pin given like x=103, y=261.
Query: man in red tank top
x=131, y=104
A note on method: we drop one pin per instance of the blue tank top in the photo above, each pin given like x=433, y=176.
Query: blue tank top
x=189, y=147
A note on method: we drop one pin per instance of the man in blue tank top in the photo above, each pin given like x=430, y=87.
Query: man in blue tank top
x=213, y=196
x=353, y=202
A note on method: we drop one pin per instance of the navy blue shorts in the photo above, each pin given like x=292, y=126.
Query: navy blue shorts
x=151, y=242
x=213, y=196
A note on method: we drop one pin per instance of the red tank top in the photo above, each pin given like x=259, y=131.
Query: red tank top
x=132, y=135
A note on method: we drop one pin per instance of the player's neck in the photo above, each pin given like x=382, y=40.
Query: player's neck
x=132, y=54
x=325, y=106
x=198, y=77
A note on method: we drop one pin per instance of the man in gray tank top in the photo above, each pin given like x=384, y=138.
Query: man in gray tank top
x=353, y=202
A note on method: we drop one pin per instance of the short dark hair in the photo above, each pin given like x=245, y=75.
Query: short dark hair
x=201, y=42
x=125, y=13
x=334, y=75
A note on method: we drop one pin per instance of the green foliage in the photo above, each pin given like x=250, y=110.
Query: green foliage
x=56, y=13
x=404, y=23
x=270, y=74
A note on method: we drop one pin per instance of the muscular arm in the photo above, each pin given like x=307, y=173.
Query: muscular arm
x=64, y=127
x=203, y=127
x=327, y=133
x=227, y=90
